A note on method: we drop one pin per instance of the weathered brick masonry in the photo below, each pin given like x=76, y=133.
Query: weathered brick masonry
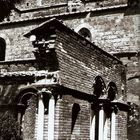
x=79, y=62
x=113, y=26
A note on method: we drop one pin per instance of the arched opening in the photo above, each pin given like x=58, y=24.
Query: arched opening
x=85, y=33
x=2, y=49
x=36, y=107
x=28, y=117
x=99, y=86
x=26, y=113
x=112, y=91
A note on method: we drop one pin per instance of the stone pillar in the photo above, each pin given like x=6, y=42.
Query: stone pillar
x=101, y=123
x=113, y=124
x=40, y=126
x=19, y=117
x=105, y=128
x=92, y=126
x=51, y=118
x=19, y=120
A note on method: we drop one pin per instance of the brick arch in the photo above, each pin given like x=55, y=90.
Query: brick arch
x=5, y=37
x=88, y=27
x=26, y=101
x=24, y=93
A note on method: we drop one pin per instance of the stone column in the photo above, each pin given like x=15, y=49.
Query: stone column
x=105, y=128
x=101, y=123
x=19, y=120
x=51, y=118
x=40, y=126
x=113, y=124
x=92, y=126
x=19, y=117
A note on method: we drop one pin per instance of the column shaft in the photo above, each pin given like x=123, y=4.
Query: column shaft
x=40, y=126
x=51, y=119
x=106, y=129
x=113, y=123
x=101, y=124
x=19, y=117
x=92, y=126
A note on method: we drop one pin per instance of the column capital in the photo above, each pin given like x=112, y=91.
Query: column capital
x=101, y=106
x=45, y=91
x=114, y=108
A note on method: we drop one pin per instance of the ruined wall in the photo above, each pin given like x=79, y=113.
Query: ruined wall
x=17, y=46
x=133, y=82
x=116, y=31
x=113, y=32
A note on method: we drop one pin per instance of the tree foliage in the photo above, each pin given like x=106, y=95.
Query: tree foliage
x=9, y=127
x=134, y=122
x=6, y=6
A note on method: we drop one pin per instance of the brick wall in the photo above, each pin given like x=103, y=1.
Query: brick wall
x=17, y=46
x=67, y=125
x=115, y=31
x=72, y=127
x=112, y=31
x=121, y=125
x=84, y=62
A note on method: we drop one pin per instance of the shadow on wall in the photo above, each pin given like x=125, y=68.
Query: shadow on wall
x=75, y=112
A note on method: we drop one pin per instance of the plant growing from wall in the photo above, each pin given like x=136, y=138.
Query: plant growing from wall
x=9, y=127
x=6, y=6
x=134, y=122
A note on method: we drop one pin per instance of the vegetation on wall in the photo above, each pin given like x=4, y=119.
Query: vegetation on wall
x=6, y=6
x=9, y=127
x=134, y=122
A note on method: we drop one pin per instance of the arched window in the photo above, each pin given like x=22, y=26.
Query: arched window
x=85, y=33
x=27, y=112
x=2, y=49
x=112, y=91
x=99, y=86
x=86, y=30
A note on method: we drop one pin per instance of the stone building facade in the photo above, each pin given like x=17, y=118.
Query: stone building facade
x=51, y=67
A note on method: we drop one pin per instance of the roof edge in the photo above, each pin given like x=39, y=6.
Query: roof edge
x=59, y=25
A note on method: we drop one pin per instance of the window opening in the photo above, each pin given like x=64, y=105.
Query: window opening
x=99, y=86
x=85, y=33
x=2, y=49
x=112, y=91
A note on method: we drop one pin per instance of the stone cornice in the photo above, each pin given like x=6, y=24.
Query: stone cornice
x=123, y=7
x=39, y=8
